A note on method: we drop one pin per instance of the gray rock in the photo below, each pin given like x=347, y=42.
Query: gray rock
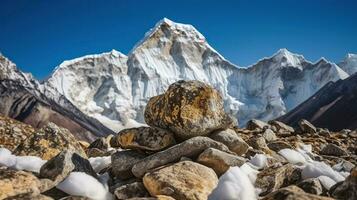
x=275, y=177
x=269, y=135
x=144, y=138
x=306, y=126
x=254, y=124
x=347, y=189
x=219, y=161
x=59, y=167
x=100, y=143
x=230, y=138
x=333, y=150
x=189, y=148
x=188, y=109
x=257, y=142
x=280, y=126
x=123, y=162
x=311, y=185
x=279, y=145
x=131, y=190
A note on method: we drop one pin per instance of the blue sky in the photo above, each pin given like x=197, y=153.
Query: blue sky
x=39, y=34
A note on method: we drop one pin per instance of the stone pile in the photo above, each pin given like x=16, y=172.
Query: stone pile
x=189, y=144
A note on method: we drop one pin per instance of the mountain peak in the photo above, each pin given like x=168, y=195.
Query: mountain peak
x=287, y=58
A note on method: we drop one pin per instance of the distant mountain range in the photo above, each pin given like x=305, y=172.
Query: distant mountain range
x=113, y=88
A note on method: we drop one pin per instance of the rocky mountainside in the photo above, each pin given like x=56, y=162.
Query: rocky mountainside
x=114, y=88
x=334, y=106
x=349, y=64
x=191, y=150
x=22, y=99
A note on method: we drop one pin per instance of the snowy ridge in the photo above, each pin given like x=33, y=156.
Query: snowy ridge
x=349, y=64
x=115, y=88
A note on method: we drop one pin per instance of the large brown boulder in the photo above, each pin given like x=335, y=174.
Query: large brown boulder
x=189, y=109
x=48, y=142
x=183, y=180
x=144, y=138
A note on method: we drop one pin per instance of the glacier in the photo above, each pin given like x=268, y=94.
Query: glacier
x=114, y=88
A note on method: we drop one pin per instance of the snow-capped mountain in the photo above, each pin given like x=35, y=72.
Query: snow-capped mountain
x=349, y=64
x=114, y=88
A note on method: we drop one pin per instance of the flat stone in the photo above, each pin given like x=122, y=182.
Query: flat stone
x=280, y=126
x=188, y=109
x=230, y=138
x=219, y=161
x=311, y=185
x=254, y=124
x=293, y=193
x=333, y=150
x=275, y=177
x=279, y=145
x=123, y=162
x=48, y=142
x=183, y=180
x=144, y=138
x=131, y=190
x=306, y=126
x=189, y=148
x=59, y=167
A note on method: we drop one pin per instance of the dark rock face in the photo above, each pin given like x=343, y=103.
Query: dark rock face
x=123, y=162
x=333, y=106
x=347, y=189
x=28, y=105
x=188, y=109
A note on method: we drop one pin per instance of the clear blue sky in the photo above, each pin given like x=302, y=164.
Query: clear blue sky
x=39, y=34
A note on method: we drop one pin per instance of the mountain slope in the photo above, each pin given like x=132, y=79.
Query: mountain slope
x=21, y=98
x=333, y=106
x=349, y=64
x=169, y=52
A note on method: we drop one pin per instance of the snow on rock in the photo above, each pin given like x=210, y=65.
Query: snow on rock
x=250, y=172
x=315, y=169
x=326, y=181
x=259, y=160
x=349, y=64
x=234, y=185
x=114, y=88
x=99, y=163
x=292, y=156
x=27, y=163
x=82, y=184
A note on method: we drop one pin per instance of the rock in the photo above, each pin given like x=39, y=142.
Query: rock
x=279, y=145
x=254, y=124
x=311, y=185
x=219, y=161
x=269, y=135
x=48, y=142
x=29, y=197
x=94, y=152
x=100, y=143
x=183, y=180
x=275, y=177
x=59, y=167
x=12, y=132
x=231, y=140
x=188, y=109
x=347, y=189
x=189, y=148
x=123, y=162
x=16, y=183
x=257, y=142
x=323, y=131
x=131, y=190
x=306, y=126
x=293, y=193
x=280, y=126
x=144, y=138
x=333, y=150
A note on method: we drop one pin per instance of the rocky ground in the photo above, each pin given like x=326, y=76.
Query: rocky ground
x=191, y=149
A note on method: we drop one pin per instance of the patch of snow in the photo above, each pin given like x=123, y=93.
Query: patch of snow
x=27, y=163
x=6, y=158
x=315, y=169
x=326, y=182
x=250, y=172
x=99, y=163
x=259, y=160
x=234, y=185
x=82, y=184
x=292, y=156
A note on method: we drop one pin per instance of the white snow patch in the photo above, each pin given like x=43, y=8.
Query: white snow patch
x=99, y=163
x=326, y=181
x=6, y=158
x=27, y=163
x=82, y=184
x=250, y=172
x=234, y=185
x=316, y=169
x=259, y=160
x=292, y=156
